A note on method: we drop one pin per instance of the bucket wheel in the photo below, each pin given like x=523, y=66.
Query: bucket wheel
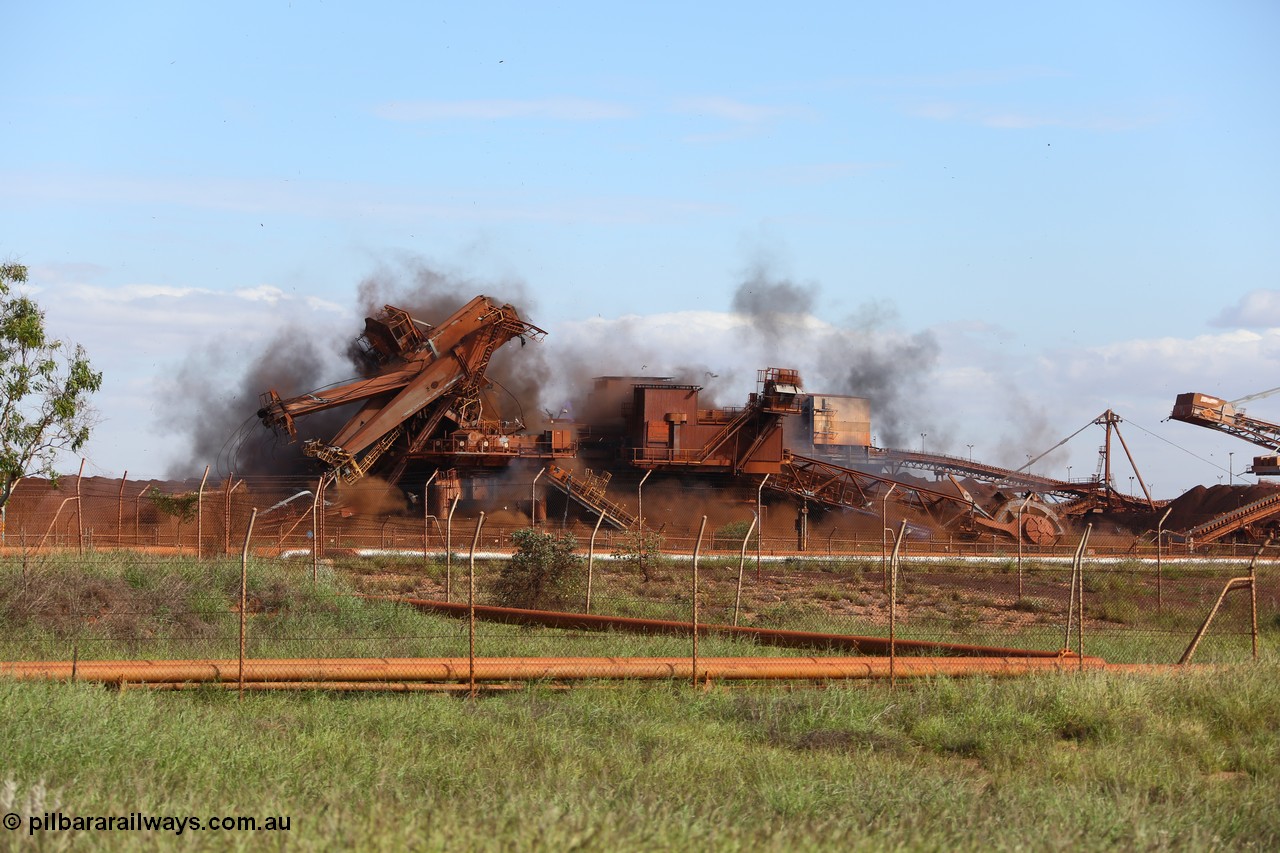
x=1036, y=521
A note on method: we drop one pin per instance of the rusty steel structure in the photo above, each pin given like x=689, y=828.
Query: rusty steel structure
x=1223, y=416
x=423, y=377
x=1027, y=516
x=1259, y=518
x=668, y=430
x=588, y=489
x=854, y=644
x=421, y=403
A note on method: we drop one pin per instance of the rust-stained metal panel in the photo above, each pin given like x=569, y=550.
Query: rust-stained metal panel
x=839, y=421
x=424, y=375
x=1202, y=409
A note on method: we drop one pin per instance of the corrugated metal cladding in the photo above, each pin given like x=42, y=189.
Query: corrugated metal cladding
x=610, y=396
x=838, y=420
x=667, y=419
x=650, y=406
x=766, y=458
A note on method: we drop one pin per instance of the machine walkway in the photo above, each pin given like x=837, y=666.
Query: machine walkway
x=1229, y=522
x=588, y=489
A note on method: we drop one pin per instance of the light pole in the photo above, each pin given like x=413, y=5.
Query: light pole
x=922, y=437
x=970, y=446
x=1231, y=468
x=1130, y=485
x=1068, y=473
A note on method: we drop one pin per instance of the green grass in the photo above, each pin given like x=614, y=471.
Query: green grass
x=117, y=605
x=1079, y=761
x=1076, y=762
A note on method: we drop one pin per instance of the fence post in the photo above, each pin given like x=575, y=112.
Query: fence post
x=426, y=514
x=1253, y=598
x=448, y=550
x=120, y=510
x=471, y=611
x=1080, y=602
x=244, y=596
x=884, y=525
x=640, y=540
x=229, y=486
x=697, y=547
x=1022, y=506
x=742, y=562
x=317, y=509
x=1077, y=591
x=1235, y=583
x=893, y=604
x=591, y=558
x=137, y=516
x=80, y=510
x=1159, y=554
x=200, y=518
x=533, y=499
x=760, y=518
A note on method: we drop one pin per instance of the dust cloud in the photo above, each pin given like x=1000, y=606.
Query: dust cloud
x=219, y=414
x=771, y=321
x=865, y=356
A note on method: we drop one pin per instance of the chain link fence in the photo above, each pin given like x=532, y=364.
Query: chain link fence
x=93, y=573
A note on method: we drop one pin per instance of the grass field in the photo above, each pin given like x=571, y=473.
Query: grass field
x=1184, y=761
x=110, y=604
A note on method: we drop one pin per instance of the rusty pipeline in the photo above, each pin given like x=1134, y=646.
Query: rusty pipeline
x=770, y=636
x=461, y=669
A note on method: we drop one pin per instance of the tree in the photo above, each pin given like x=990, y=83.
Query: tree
x=639, y=550
x=542, y=573
x=732, y=534
x=45, y=387
x=181, y=506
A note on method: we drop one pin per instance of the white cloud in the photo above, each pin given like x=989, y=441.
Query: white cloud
x=1243, y=359
x=1004, y=118
x=964, y=79
x=133, y=292
x=1257, y=309
x=1139, y=380
x=262, y=293
x=339, y=201
x=139, y=335
x=988, y=388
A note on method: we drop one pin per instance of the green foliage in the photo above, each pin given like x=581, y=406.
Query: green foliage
x=640, y=551
x=544, y=573
x=1029, y=605
x=1053, y=763
x=45, y=387
x=732, y=534
x=181, y=506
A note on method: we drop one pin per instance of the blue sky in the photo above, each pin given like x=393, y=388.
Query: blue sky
x=1074, y=205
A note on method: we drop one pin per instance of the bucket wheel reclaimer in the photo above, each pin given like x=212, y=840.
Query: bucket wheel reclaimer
x=1030, y=519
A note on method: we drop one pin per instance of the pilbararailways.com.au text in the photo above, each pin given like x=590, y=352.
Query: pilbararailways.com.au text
x=141, y=822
